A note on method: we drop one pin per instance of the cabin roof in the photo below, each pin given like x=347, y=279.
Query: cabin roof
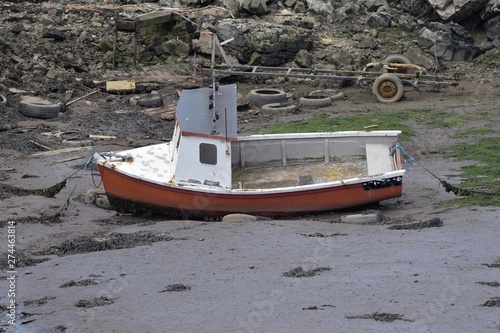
x=196, y=118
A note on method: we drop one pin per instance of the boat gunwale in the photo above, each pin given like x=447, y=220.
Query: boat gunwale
x=320, y=135
x=215, y=190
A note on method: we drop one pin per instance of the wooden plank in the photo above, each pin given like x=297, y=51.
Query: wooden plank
x=61, y=151
x=82, y=97
x=144, y=20
x=168, y=116
x=40, y=145
x=69, y=159
x=102, y=137
x=154, y=111
x=155, y=18
x=118, y=86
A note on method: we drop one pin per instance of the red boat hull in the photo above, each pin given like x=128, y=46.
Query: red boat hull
x=132, y=195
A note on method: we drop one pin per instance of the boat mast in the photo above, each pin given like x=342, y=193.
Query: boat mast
x=215, y=85
x=211, y=105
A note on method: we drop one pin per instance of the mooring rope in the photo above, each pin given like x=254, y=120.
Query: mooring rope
x=66, y=203
x=409, y=160
x=92, y=172
x=436, y=62
x=447, y=186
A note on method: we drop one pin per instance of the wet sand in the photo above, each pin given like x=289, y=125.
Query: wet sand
x=91, y=270
x=198, y=276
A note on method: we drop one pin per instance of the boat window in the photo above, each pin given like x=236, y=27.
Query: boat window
x=208, y=153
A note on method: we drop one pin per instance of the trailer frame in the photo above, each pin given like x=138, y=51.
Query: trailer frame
x=388, y=77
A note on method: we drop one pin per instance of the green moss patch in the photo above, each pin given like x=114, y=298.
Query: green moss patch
x=325, y=123
x=482, y=174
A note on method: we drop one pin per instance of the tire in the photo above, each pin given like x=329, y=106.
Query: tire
x=92, y=194
x=388, y=88
x=261, y=97
x=98, y=198
x=332, y=93
x=278, y=107
x=3, y=102
x=397, y=59
x=41, y=110
x=152, y=102
x=315, y=101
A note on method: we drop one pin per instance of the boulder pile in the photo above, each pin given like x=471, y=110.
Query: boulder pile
x=47, y=44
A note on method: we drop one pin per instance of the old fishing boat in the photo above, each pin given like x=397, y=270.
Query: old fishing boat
x=206, y=170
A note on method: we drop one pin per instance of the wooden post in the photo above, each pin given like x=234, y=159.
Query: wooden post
x=136, y=36
x=115, y=39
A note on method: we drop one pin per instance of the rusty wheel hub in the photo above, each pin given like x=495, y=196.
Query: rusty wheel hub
x=388, y=89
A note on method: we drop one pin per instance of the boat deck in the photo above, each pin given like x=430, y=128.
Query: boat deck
x=300, y=174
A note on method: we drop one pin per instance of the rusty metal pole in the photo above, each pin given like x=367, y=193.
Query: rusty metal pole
x=136, y=37
x=115, y=39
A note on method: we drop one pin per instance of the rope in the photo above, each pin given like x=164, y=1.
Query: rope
x=66, y=203
x=123, y=157
x=51, y=191
x=409, y=160
x=435, y=51
x=447, y=186
x=92, y=169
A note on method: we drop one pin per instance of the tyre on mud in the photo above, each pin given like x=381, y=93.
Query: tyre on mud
x=332, y=93
x=98, y=198
x=278, y=107
x=397, y=59
x=3, y=102
x=315, y=101
x=388, y=88
x=42, y=109
x=261, y=97
x=151, y=102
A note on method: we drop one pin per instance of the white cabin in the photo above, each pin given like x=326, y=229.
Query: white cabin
x=200, y=149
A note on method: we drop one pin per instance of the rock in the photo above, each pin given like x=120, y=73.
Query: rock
x=347, y=34
x=299, y=7
x=359, y=218
x=172, y=47
x=106, y=45
x=456, y=10
x=340, y=58
x=51, y=74
x=492, y=8
x=47, y=20
x=374, y=5
x=239, y=218
x=379, y=20
x=54, y=34
x=255, y=7
x=320, y=7
x=420, y=58
x=492, y=28
x=418, y=8
x=277, y=44
x=17, y=28
x=347, y=12
x=447, y=42
x=304, y=59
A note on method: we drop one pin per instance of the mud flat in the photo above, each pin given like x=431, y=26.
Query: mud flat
x=81, y=268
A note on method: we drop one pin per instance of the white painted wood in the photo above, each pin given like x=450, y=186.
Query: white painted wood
x=378, y=159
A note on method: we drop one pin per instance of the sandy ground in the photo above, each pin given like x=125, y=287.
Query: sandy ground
x=241, y=276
